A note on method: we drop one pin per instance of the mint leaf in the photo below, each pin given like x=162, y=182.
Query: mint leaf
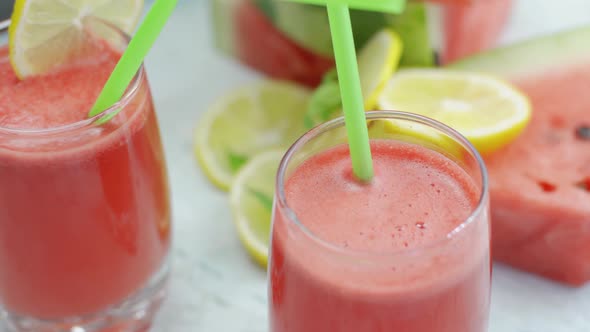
x=236, y=161
x=324, y=104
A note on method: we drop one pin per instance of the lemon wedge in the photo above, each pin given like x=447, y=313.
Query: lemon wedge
x=44, y=34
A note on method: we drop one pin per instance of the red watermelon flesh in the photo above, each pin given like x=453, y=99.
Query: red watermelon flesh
x=540, y=184
x=541, y=206
x=262, y=46
x=473, y=28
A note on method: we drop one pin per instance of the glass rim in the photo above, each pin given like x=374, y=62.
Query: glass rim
x=283, y=206
x=131, y=91
x=4, y=24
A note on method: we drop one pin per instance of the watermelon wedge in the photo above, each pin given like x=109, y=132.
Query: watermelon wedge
x=292, y=41
x=263, y=47
x=540, y=184
x=474, y=27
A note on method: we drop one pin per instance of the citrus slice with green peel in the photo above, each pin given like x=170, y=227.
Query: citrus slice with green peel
x=489, y=112
x=377, y=61
x=47, y=33
x=247, y=121
x=251, y=199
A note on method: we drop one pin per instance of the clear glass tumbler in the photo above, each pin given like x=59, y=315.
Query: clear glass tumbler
x=408, y=252
x=84, y=209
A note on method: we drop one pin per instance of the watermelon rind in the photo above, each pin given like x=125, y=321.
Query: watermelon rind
x=223, y=15
x=546, y=53
x=413, y=29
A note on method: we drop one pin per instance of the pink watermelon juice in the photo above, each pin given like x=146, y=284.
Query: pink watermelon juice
x=84, y=209
x=393, y=255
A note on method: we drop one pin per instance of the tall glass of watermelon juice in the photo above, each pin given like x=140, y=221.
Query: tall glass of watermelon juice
x=409, y=251
x=84, y=205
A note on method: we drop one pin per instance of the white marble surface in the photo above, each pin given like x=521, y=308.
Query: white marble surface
x=215, y=286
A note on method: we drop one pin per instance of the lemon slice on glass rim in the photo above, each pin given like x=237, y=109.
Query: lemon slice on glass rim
x=44, y=34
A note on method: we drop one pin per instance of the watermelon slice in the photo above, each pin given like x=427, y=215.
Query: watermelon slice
x=262, y=46
x=540, y=184
x=291, y=41
x=473, y=28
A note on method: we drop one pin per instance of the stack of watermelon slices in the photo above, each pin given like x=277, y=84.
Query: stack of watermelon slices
x=471, y=28
x=291, y=41
x=540, y=184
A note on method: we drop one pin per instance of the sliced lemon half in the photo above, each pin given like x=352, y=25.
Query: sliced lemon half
x=488, y=111
x=44, y=34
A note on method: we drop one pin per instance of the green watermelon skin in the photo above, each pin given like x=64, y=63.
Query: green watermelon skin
x=540, y=184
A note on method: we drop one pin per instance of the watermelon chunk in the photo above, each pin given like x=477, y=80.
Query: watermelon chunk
x=540, y=184
x=262, y=46
x=292, y=41
x=473, y=28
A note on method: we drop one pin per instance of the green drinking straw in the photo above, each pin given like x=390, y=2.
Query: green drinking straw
x=348, y=74
x=133, y=56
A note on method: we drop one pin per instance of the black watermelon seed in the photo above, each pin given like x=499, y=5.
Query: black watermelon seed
x=437, y=59
x=584, y=184
x=583, y=132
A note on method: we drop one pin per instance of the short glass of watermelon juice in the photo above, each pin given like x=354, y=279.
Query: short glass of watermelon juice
x=409, y=251
x=84, y=206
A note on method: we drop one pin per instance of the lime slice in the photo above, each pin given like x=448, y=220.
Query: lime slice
x=47, y=33
x=377, y=61
x=488, y=111
x=250, y=120
x=251, y=199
